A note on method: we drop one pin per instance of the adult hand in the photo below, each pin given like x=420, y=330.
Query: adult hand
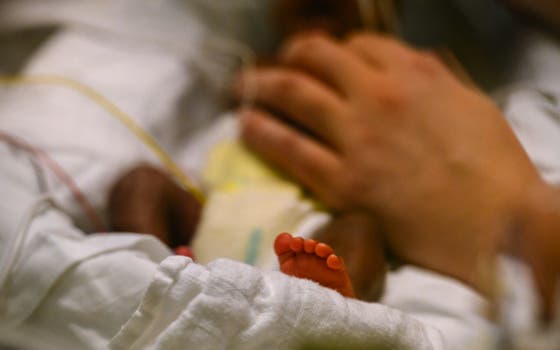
x=147, y=200
x=397, y=135
x=538, y=243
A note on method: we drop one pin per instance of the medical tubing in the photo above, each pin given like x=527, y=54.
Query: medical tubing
x=43, y=158
x=115, y=112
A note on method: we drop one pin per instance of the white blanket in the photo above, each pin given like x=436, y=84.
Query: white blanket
x=89, y=289
x=229, y=305
x=84, y=288
x=532, y=103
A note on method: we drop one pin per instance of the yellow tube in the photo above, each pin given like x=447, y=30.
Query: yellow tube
x=115, y=112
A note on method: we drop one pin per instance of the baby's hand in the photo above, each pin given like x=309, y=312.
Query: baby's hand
x=147, y=200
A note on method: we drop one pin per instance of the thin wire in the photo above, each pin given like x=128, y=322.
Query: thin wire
x=60, y=173
x=212, y=44
x=247, y=58
x=115, y=112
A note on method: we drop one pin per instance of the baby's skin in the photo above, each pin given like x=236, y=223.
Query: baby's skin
x=307, y=258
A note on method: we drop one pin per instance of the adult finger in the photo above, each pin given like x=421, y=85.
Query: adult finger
x=379, y=51
x=328, y=60
x=309, y=162
x=299, y=97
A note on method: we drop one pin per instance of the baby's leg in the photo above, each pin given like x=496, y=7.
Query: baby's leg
x=312, y=260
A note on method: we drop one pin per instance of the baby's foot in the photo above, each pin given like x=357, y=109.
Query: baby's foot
x=312, y=260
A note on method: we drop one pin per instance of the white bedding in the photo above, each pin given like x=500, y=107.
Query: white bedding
x=90, y=288
x=126, y=287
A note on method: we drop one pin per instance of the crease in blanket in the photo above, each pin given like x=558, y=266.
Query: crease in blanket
x=40, y=156
x=17, y=241
x=227, y=304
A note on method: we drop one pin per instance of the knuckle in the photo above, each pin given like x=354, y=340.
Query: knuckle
x=287, y=85
x=306, y=46
x=374, y=42
x=358, y=39
x=390, y=96
x=426, y=63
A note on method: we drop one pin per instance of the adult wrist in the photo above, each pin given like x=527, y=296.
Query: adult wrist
x=507, y=229
x=537, y=243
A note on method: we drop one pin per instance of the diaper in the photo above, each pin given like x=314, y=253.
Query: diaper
x=248, y=204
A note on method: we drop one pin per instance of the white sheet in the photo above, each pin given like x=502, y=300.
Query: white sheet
x=94, y=285
x=228, y=305
x=532, y=103
x=88, y=290
x=84, y=288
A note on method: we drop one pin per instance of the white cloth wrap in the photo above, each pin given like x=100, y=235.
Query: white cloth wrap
x=84, y=288
x=230, y=305
x=80, y=288
x=87, y=288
